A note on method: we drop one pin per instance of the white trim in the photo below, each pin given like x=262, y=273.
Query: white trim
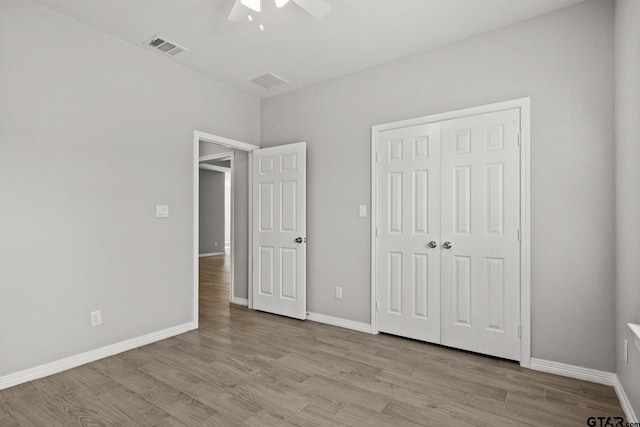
x=250, y=248
x=629, y=413
x=210, y=254
x=455, y=114
x=217, y=156
x=592, y=375
x=232, y=236
x=240, y=301
x=342, y=323
x=572, y=371
x=91, y=356
x=221, y=140
x=227, y=142
x=525, y=226
x=214, y=168
x=374, y=228
x=524, y=104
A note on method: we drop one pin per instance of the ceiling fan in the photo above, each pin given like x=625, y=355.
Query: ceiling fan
x=242, y=8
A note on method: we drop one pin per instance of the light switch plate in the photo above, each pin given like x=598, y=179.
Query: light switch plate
x=363, y=211
x=162, y=211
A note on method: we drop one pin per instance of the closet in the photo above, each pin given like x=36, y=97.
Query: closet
x=448, y=232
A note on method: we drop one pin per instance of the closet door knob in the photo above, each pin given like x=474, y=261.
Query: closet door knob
x=446, y=245
x=432, y=244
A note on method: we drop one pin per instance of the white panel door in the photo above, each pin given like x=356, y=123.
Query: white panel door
x=408, y=220
x=480, y=220
x=279, y=230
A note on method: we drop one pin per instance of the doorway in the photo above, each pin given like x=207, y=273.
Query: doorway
x=222, y=155
x=215, y=224
x=450, y=252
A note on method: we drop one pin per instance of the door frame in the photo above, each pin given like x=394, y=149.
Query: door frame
x=524, y=105
x=198, y=137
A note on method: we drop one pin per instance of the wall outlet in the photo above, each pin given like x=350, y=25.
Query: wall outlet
x=362, y=211
x=96, y=318
x=215, y=244
x=626, y=351
x=338, y=292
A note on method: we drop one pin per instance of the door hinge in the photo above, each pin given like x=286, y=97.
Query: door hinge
x=519, y=140
x=519, y=236
x=377, y=232
x=519, y=331
x=377, y=157
x=377, y=306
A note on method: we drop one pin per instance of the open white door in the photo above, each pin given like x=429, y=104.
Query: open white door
x=279, y=230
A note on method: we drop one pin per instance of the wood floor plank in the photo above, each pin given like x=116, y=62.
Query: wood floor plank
x=6, y=418
x=425, y=416
x=345, y=393
x=356, y=415
x=34, y=408
x=248, y=368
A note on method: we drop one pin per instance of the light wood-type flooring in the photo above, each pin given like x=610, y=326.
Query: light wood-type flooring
x=255, y=369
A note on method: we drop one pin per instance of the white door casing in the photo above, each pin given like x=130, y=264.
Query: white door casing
x=199, y=137
x=279, y=204
x=481, y=219
x=409, y=270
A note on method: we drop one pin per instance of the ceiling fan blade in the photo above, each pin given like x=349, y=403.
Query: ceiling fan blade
x=239, y=12
x=317, y=8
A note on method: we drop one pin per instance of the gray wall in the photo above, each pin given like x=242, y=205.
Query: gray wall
x=564, y=62
x=211, y=226
x=628, y=191
x=240, y=244
x=93, y=134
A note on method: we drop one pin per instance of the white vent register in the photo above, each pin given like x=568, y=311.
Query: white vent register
x=165, y=46
x=268, y=81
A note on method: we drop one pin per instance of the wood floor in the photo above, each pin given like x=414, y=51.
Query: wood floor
x=255, y=369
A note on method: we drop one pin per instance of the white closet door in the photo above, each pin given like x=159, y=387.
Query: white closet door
x=279, y=230
x=408, y=219
x=480, y=219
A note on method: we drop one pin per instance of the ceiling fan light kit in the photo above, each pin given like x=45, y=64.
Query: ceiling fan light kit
x=241, y=8
x=255, y=5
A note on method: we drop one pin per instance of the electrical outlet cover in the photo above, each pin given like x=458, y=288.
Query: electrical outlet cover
x=96, y=318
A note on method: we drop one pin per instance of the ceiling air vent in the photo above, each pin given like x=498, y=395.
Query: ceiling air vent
x=165, y=46
x=268, y=81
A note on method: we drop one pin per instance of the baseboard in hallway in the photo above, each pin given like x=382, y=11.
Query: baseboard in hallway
x=210, y=254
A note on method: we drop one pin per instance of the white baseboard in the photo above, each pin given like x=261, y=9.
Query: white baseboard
x=586, y=374
x=629, y=413
x=240, y=301
x=343, y=323
x=572, y=371
x=210, y=254
x=91, y=356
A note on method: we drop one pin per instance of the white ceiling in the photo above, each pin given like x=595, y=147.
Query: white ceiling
x=357, y=34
